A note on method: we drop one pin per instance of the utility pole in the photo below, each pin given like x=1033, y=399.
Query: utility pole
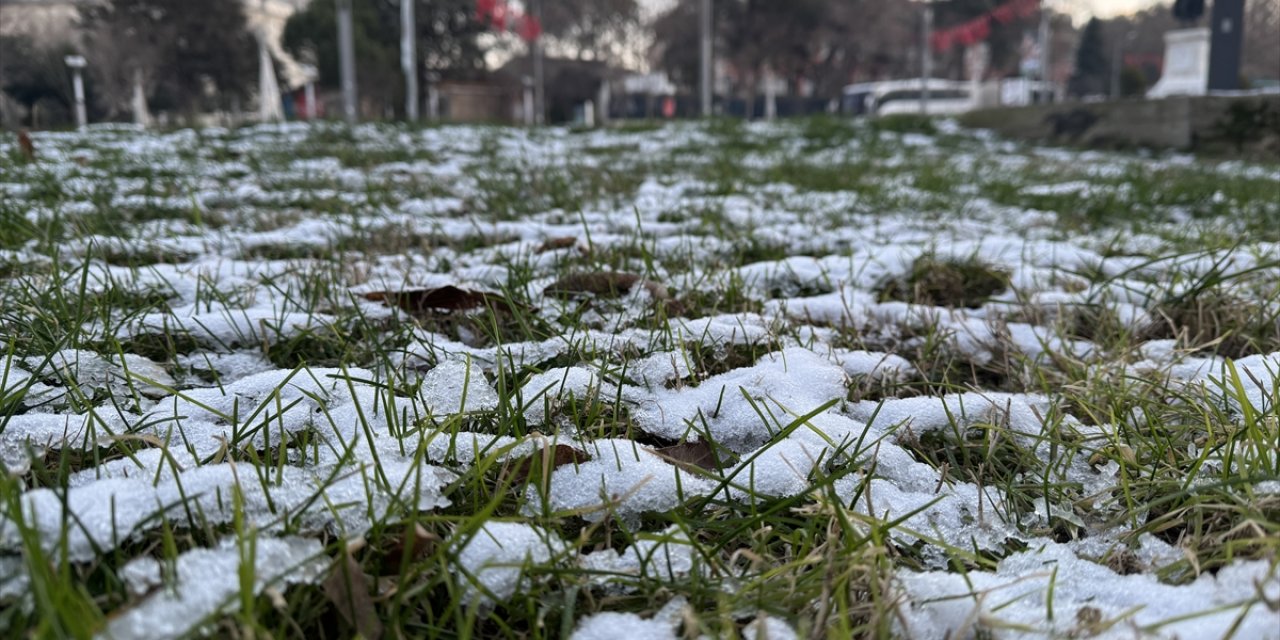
x=409, y=58
x=926, y=58
x=706, y=68
x=347, y=61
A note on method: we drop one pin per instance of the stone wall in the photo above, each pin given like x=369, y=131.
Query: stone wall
x=1246, y=126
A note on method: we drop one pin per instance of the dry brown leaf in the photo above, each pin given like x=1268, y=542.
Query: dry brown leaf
x=605, y=285
x=691, y=455
x=347, y=587
x=25, y=147
x=549, y=458
x=414, y=544
x=552, y=244
x=446, y=298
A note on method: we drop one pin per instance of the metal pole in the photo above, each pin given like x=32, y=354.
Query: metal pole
x=527, y=104
x=1046, y=50
x=347, y=61
x=309, y=91
x=705, y=70
x=539, y=75
x=770, y=97
x=409, y=58
x=433, y=96
x=77, y=82
x=926, y=59
x=140, y=114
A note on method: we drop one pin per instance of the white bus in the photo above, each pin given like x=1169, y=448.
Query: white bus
x=946, y=97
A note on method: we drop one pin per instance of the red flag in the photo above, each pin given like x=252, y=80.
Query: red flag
x=1004, y=13
x=493, y=13
x=499, y=19
x=528, y=27
x=981, y=29
x=941, y=40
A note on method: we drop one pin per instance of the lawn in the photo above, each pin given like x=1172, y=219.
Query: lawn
x=808, y=379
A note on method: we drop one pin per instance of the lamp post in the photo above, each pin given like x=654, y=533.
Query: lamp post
x=347, y=61
x=77, y=65
x=409, y=59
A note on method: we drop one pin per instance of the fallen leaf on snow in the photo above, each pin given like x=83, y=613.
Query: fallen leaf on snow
x=446, y=298
x=606, y=285
x=691, y=455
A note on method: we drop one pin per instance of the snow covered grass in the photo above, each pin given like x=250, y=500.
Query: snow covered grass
x=813, y=379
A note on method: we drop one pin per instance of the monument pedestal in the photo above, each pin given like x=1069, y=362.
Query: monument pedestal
x=1186, y=64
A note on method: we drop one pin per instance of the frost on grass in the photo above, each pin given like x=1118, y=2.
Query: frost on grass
x=127, y=502
x=207, y=582
x=622, y=478
x=493, y=560
x=666, y=557
x=744, y=408
x=1050, y=592
x=896, y=323
x=608, y=625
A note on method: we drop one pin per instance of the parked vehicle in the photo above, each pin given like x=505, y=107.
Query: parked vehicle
x=946, y=97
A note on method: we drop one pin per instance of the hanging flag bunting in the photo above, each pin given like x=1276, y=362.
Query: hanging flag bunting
x=498, y=16
x=485, y=9
x=528, y=28
x=979, y=29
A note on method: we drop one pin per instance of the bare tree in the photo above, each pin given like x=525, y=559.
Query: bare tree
x=191, y=54
x=591, y=29
x=1261, y=40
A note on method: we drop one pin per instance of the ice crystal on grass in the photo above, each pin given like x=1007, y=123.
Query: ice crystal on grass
x=113, y=509
x=493, y=560
x=623, y=479
x=855, y=375
x=1049, y=592
x=208, y=581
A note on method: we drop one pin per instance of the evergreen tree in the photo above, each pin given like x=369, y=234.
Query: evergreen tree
x=447, y=42
x=1092, y=68
x=31, y=75
x=192, y=54
x=312, y=34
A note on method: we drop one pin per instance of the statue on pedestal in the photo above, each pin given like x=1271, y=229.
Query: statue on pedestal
x=1188, y=12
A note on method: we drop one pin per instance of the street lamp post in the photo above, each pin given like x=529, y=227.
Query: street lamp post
x=77, y=65
x=409, y=59
x=347, y=61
